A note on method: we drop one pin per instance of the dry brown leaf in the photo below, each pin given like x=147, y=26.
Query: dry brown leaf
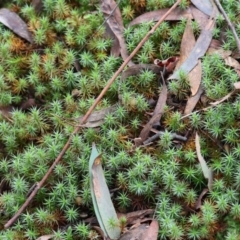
x=225, y=54
x=96, y=119
x=152, y=232
x=168, y=64
x=215, y=44
x=200, y=17
x=192, y=101
x=187, y=45
x=204, y=6
x=231, y=62
x=158, y=112
x=176, y=14
x=46, y=237
x=15, y=23
x=221, y=52
x=198, y=51
x=113, y=18
x=135, y=233
x=115, y=49
x=199, y=201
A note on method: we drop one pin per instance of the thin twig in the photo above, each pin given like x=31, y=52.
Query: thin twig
x=84, y=119
x=229, y=23
x=161, y=133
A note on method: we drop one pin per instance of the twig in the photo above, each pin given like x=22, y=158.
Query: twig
x=84, y=119
x=229, y=23
x=161, y=133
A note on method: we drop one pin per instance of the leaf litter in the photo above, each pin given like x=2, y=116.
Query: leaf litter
x=101, y=198
x=190, y=63
x=113, y=18
x=15, y=23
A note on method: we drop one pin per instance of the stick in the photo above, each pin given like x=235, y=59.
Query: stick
x=84, y=119
x=229, y=23
x=160, y=133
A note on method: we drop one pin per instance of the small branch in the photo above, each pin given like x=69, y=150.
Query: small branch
x=160, y=133
x=84, y=119
x=229, y=23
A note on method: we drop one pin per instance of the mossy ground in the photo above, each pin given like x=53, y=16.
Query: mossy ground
x=165, y=176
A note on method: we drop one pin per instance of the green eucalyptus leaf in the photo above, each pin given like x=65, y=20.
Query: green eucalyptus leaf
x=102, y=202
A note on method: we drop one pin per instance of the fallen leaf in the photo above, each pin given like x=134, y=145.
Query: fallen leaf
x=231, y=62
x=169, y=64
x=113, y=18
x=176, y=14
x=207, y=172
x=158, y=112
x=225, y=54
x=133, y=216
x=101, y=198
x=187, y=45
x=15, y=23
x=221, y=52
x=96, y=118
x=115, y=49
x=135, y=233
x=198, y=51
x=152, y=232
x=215, y=44
x=199, y=201
x=46, y=237
x=192, y=101
x=204, y=6
x=200, y=17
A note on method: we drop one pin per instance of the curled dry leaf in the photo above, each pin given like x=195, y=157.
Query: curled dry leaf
x=176, y=14
x=15, y=23
x=207, y=172
x=96, y=119
x=113, y=18
x=169, y=64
